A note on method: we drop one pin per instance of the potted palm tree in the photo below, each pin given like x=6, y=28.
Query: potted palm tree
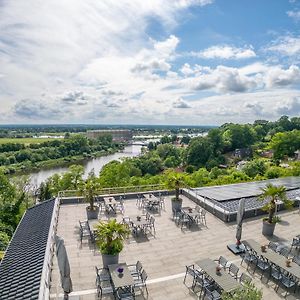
x=175, y=181
x=110, y=238
x=88, y=189
x=272, y=193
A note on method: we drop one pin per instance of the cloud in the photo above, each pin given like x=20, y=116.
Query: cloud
x=35, y=110
x=225, y=52
x=289, y=106
x=278, y=77
x=180, y=103
x=294, y=14
x=286, y=45
x=221, y=79
x=74, y=96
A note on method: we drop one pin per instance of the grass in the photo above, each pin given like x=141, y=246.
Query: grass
x=25, y=141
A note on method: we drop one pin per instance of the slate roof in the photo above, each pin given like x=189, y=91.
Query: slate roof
x=22, y=265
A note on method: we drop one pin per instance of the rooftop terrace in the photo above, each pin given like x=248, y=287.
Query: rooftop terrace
x=165, y=255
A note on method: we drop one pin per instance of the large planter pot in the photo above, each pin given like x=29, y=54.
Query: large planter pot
x=109, y=259
x=268, y=228
x=92, y=214
x=176, y=204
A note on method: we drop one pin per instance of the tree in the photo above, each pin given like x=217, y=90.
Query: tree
x=110, y=236
x=254, y=167
x=89, y=188
x=248, y=292
x=175, y=181
x=273, y=193
x=198, y=152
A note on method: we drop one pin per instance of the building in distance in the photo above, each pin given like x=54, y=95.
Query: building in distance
x=117, y=135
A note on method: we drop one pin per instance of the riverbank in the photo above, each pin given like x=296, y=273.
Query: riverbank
x=28, y=167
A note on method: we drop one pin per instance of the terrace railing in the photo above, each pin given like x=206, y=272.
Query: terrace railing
x=115, y=190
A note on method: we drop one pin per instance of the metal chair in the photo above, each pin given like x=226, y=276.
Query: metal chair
x=200, y=281
x=210, y=292
x=295, y=242
x=203, y=216
x=136, y=269
x=275, y=274
x=190, y=270
x=296, y=259
x=84, y=230
x=244, y=279
x=125, y=294
x=184, y=220
x=120, y=206
x=233, y=270
x=287, y=281
x=263, y=265
x=222, y=261
x=249, y=257
x=141, y=282
x=285, y=251
x=273, y=246
x=103, y=282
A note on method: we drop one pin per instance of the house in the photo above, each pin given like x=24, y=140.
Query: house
x=297, y=155
x=242, y=153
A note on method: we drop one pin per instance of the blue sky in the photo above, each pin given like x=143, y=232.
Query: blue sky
x=149, y=62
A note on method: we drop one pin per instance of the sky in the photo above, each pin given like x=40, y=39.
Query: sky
x=177, y=62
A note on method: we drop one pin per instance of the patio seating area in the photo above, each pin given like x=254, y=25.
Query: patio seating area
x=168, y=255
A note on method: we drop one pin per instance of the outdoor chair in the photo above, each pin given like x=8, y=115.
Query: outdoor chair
x=84, y=230
x=140, y=283
x=249, y=257
x=103, y=282
x=184, y=220
x=120, y=206
x=147, y=216
x=136, y=269
x=296, y=259
x=233, y=270
x=285, y=252
x=288, y=282
x=102, y=274
x=138, y=202
x=192, y=271
x=222, y=261
x=295, y=242
x=125, y=294
x=200, y=281
x=127, y=221
x=203, y=216
x=263, y=265
x=162, y=203
x=244, y=279
x=210, y=292
x=273, y=246
x=275, y=274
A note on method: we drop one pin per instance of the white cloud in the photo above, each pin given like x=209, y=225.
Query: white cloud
x=290, y=106
x=180, y=103
x=287, y=45
x=278, y=77
x=225, y=52
x=294, y=14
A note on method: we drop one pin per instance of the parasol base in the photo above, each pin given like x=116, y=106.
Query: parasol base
x=236, y=249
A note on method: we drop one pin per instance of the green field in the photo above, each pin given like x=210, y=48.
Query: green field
x=25, y=141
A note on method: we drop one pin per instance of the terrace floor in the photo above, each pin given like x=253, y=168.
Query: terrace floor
x=165, y=256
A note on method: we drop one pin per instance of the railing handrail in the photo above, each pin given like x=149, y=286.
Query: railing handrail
x=122, y=190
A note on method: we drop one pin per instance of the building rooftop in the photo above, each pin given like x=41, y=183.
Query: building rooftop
x=165, y=254
x=22, y=268
x=244, y=190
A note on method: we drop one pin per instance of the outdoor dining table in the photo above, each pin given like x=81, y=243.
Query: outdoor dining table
x=191, y=213
x=119, y=280
x=225, y=281
x=139, y=222
x=151, y=201
x=110, y=203
x=275, y=258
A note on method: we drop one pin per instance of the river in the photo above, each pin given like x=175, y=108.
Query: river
x=36, y=178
